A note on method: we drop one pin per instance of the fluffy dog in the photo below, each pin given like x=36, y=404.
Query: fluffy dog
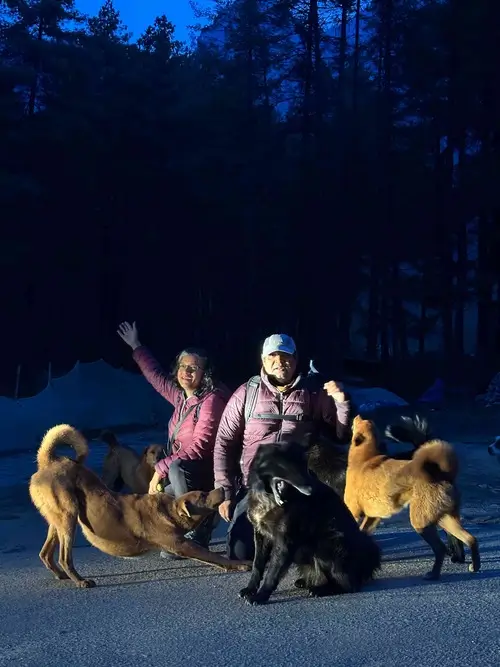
x=328, y=461
x=377, y=487
x=299, y=520
x=65, y=493
x=123, y=467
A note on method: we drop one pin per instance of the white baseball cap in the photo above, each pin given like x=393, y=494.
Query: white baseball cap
x=278, y=343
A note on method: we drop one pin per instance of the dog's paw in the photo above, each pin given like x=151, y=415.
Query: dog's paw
x=257, y=598
x=320, y=591
x=247, y=592
x=300, y=583
x=86, y=583
x=432, y=576
x=457, y=559
x=244, y=566
x=471, y=568
x=252, y=596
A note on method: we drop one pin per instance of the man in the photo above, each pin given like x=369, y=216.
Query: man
x=282, y=404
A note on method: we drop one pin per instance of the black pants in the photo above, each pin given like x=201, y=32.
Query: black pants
x=239, y=540
x=184, y=476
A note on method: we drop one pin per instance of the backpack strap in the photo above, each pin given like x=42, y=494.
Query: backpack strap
x=251, y=396
x=167, y=450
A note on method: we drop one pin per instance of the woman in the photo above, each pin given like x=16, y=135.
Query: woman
x=198, y=406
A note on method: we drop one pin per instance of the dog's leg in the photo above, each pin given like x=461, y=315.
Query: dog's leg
x=280, y=561
x=262, y=552
x=431, y=536
x=455, y=549
x=370, y=524
x=66, y=535
x=189, y=549
x=451, y=524
x=47, y=553
x=331, y=588
x=316, y=580
x=454, y=546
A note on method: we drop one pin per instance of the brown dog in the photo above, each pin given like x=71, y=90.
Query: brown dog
x=377, y=487
x=65, y=493
x=123, y=467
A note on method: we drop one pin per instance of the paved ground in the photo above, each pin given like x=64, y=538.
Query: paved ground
x=149, y=612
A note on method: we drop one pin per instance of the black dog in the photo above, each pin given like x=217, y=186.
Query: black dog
x=299, y=520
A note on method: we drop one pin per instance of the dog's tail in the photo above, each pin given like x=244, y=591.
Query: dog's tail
x=109, y=438
x=415, y=430
x=434, y=462
x=62, y=434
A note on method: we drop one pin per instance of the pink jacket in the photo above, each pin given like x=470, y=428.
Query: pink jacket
x=237, y=443
x=195, y=438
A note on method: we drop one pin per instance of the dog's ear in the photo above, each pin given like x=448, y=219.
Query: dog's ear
x=184, y=508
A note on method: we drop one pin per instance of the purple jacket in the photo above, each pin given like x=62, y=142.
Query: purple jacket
x=195, y=438
x=237, y=440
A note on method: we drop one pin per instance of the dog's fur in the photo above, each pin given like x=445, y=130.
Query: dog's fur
x=494, y=448
x=377, y=487
x=299, y=520
x=416, y=431
x=65, y=493
x=123, y=467
x=328, y=461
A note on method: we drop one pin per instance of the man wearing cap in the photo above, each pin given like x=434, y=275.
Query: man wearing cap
x=285, y=405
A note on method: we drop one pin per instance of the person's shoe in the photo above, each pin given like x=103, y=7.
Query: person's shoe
x=168, y=556
x=203, y=534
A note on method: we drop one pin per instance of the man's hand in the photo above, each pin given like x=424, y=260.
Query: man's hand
x=128, y=333
x=335, y=390
x=155, y=479
x=224, y=510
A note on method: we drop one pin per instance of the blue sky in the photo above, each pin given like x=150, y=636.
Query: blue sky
x=138, y=14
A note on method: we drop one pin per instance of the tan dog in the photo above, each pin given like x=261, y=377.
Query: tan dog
x=377, y=487
x=123, y=467
x=65, y=493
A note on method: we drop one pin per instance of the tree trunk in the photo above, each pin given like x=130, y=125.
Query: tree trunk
x=36, y=77
x=373, y=312
x=399, y=328
x=484, y=290
x=385, y=346
x=422, y=329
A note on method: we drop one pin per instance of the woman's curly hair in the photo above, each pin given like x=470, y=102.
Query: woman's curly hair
x=208, y=381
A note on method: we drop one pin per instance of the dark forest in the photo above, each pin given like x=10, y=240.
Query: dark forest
x=339, y=185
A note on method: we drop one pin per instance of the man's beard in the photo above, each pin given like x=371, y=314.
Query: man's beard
x=283, y=379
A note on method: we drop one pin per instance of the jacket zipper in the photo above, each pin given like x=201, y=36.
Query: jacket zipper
x=280, y=406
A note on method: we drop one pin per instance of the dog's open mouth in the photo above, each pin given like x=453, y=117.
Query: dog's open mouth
x=280, y=486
